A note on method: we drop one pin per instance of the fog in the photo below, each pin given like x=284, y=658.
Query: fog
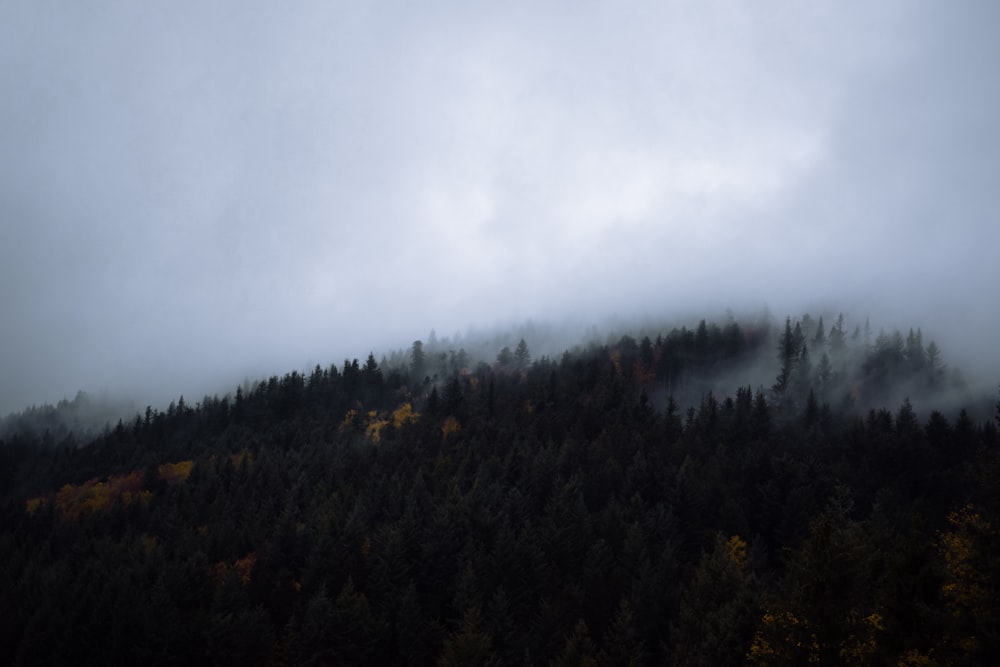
x=192, y=194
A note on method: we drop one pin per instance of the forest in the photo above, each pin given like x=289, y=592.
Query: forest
x=727, y=493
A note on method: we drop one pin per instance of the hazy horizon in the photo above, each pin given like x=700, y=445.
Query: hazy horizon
x=196, y=193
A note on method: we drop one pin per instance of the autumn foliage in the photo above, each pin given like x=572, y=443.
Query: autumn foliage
x=175, y=473
x=74, y=501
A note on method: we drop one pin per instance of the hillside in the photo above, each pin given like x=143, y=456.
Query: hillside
x=798, y=493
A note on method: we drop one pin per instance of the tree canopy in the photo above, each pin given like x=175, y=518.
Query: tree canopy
x=610, y=507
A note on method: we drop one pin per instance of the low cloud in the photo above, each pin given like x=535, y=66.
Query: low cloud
x=191, y=196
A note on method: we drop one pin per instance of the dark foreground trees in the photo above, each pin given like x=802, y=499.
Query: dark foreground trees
x=564, y=512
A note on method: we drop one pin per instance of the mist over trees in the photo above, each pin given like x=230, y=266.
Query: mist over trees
x=79, y=419
x=796, y=492
x=848, y=366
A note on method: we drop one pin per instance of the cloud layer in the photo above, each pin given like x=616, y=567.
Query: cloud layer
x=194, y=193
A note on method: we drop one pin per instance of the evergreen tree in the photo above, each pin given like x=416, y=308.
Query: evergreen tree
x=819, y=340
x=579, y=650
x=837, y=339
x=824, y=373
x=933, y=364
x=469, y=645
x=521, y=355
x=418, y=362
x=719, y=608
x=788, y=351
x=622, y=646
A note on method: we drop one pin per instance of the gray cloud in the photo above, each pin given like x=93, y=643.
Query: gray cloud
x=194, y=193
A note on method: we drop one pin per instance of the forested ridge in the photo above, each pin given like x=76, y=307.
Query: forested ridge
x=639, y=501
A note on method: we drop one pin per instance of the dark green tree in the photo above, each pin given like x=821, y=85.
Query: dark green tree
x=521, y=355
x=418, y=363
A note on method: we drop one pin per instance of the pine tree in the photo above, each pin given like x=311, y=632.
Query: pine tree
x=579, y=650
x=819, y=340
x=837, y=338
x=622, y=644
x=719, y=608
x=521, y=355
x=788, y=351
x=469, y=645
x=824, y=373
x=418, y=362
x=933, y=365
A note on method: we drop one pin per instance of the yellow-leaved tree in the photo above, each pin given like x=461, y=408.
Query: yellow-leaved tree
x=824, y=613
x=971, y=553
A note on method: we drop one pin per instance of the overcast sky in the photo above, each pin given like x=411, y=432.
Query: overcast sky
x=192, y=193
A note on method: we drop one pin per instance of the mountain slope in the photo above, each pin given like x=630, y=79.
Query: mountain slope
x=611, y=505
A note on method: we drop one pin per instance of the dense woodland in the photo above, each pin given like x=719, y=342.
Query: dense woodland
x=612, y=505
